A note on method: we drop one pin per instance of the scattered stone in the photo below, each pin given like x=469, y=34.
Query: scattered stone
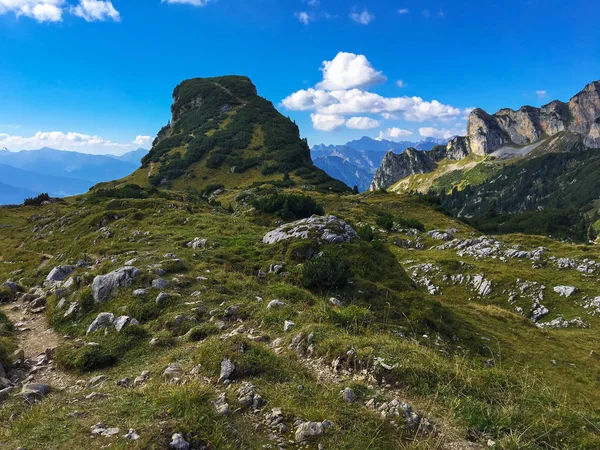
x=275, y=304
x=335, y=302
x=104, y=286
x=102, y=430
x=103, y=320
x=178, y=442
x=73, y=308
x=172, y=371
x=288, y=325
x=565, y=291
x=34, y=392
x=348, y=395
x=227, y=369
x=221, y=405
x=162, y=297
x=96, y=381
x=131, y=435
x=307, y=430
x=140, y=292
x=122, y=321
x=197, y=243
x=160, y=283
x=561, y=322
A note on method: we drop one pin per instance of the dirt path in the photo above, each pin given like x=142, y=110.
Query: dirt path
x=35, y=337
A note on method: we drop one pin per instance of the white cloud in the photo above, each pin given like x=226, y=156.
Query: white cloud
x=403, y=11
x=347, y=71
x=362, y=18
x=188, y=2
x=304, y=17
x=40, y=10
x=355, y=101
x=95, y=11
x=426, y=13
x=143, y=141
x=71, y=141
x=393, y=134
x=541, y=94
x=441, y=132
x=400, y=84
x=327, y=122
x=362, y=123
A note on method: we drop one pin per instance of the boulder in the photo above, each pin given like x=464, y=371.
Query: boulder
x=326, y=229
x=60, y=273
x=275, y=304
x=104, y=286
x=348, y=395
x=103, y=320
x=34, y=391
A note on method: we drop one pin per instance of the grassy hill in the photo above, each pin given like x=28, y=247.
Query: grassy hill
x=418, y=309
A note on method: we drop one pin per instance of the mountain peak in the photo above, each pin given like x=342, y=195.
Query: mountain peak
x=221, y=128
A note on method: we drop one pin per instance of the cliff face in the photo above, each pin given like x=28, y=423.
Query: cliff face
x=487, y=133
x=395, y=167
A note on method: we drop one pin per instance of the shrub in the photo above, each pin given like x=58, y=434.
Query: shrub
x=326, y=272
x=37, y=201
x=366, y=233
x=385, y=220
x=288, y=206
x=411, y=223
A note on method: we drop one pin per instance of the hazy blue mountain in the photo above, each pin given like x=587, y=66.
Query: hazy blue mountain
x=56, y=186
x=10, y=195
x=59, y=173
x=356, y=162
x=134, y=157
x=345, y=171
x=47, y=161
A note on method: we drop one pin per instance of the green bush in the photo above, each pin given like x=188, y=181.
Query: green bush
x=287, y=206
x=37, y=201
x=328, y=271
x=385, y=220
x=366, y=233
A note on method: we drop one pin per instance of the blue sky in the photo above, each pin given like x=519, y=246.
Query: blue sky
x=96, y=76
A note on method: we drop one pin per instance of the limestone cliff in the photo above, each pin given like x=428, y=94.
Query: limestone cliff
x=487, y=133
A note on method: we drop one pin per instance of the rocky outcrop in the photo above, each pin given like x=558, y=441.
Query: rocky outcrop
x=487, y=133
x=325, y=229
x=395, y=167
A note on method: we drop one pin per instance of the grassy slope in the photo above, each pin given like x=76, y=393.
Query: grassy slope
x=523, y=402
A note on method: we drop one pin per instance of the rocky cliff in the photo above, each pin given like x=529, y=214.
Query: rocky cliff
x=487, y=133
x=395, y=167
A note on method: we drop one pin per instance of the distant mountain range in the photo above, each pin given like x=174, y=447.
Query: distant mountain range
x=59, y=173
x=356, y=162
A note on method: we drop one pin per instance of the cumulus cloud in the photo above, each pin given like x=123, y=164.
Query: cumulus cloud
x=71, y=141
x=327, y=122
x=40, y=10
x=355, y=101
x=541, y=94
x=393, y=134
x=362, y=18
x=342, y=93
x=362, y=123
x=96, y=11
x=403, y=11
x=400, y=84
x=188, y=2
x=441, y=133
x=143, y=141
x=347, y=71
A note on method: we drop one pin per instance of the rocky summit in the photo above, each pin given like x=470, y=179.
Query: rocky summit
x=229, y=294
